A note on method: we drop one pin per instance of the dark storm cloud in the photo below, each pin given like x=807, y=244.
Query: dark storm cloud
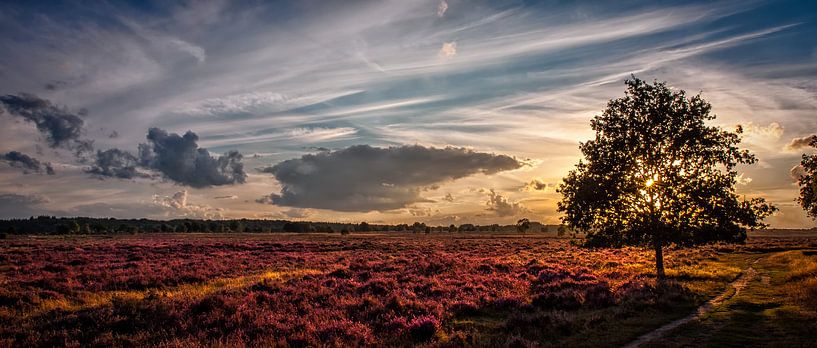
x=365, y=178
x=181, y=160
x=115, y=163
x=60, y=127
x=26, y=162
x=798, y=143
x=178, y=158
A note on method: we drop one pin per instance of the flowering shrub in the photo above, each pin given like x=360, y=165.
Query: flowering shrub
x=313, y=290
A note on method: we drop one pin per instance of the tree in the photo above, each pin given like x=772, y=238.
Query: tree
x=452, y=228
x=74, y=227
x=808, y=182
x=522, y=225
x=657, y=174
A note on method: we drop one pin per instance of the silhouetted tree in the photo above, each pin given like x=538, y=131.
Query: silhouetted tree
x=808, y=182
x=363, y=227
x=656, y=174
x=452, y=228
x=522, y=225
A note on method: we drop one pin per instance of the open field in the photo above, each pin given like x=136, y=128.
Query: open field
x=394, y=289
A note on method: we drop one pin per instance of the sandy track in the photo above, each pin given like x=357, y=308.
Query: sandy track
x=739, y=284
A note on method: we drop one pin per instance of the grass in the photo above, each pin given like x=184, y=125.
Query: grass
x=776, y=309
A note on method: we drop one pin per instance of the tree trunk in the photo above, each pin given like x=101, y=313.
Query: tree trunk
x=659, y=258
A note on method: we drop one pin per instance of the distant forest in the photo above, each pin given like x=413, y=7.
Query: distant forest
x=84, y=225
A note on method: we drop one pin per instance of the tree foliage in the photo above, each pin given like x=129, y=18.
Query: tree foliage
x=808, y=182
x=656, y=173
x=522, y=225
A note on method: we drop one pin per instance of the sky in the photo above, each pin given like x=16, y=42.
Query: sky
x=438, y=111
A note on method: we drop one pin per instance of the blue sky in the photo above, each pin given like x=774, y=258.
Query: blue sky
x=277, y=81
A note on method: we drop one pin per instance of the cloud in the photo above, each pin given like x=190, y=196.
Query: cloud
x=441, y=8
x=538, y=185
x=300, y=134
x=797, y=172
x=799, y=143
x=226, y=197
x=60, y=127
x=177, y=158
x=180, y=159
x=448, y=50
x=421, y=212
x=448, y=197
x=297, y=213
x=14, y=205
x=502, y=206
x=115, y=163
x=742, y=179
x=26, y=162
x=191, y=49
x=129, y=210
x=178, y=205
x=364, y=178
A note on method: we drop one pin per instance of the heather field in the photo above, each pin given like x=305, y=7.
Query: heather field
x=369, y=289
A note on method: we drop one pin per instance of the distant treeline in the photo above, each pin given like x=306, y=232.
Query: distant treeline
x=85, y=225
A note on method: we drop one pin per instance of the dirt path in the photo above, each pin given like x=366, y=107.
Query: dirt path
x=739, y=284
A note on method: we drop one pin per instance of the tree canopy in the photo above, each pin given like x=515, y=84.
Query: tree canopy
x=656, y=173
x=808, y=182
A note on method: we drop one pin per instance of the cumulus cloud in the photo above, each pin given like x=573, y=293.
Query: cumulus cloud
x=742, y=179
x=799, y=143
x=178, y=205
x=448, y=50
x=179, y=158
x=536, y=185
x=771, y=131
x=365, y=178
x=797, y=172
x=26, y=162
x=60, y=127
x=502, y=206
x=441, y=8
x=115, y=163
